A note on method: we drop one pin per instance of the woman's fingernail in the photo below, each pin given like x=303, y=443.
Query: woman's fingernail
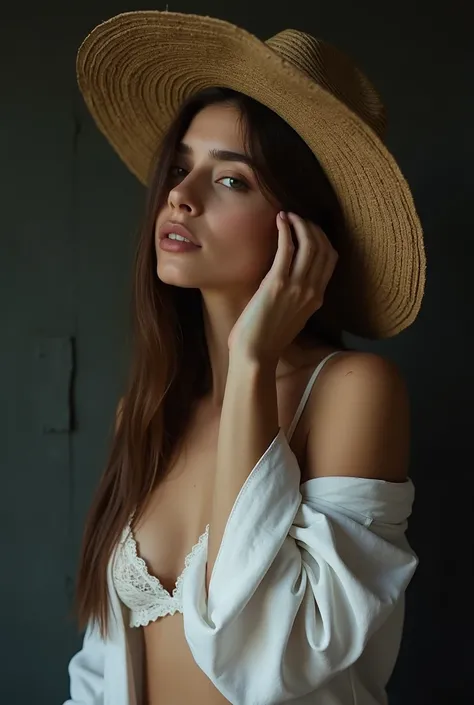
x=282, y=215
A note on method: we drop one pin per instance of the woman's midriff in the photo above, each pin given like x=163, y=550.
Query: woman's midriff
x=173, y=677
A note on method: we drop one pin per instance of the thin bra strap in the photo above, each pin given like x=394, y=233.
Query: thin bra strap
x=307, y=392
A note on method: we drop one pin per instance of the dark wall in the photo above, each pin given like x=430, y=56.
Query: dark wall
x=69, y=213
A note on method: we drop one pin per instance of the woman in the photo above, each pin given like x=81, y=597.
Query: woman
x=247, y=542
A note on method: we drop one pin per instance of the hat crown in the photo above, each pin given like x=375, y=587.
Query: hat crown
x=334, y=71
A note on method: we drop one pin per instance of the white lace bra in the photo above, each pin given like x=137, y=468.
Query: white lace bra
x=144, y=595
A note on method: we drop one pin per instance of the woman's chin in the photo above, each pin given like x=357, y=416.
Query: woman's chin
x=177, y=279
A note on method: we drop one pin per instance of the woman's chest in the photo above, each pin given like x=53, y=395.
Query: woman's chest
x=180, y=507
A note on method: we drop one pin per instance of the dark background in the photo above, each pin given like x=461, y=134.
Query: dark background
x=69, y=210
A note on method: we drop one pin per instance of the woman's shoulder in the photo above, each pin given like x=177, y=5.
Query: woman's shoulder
x=358, y=418
x=360, y=362
x=352, y=374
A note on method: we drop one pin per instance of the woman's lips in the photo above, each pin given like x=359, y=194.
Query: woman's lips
x=169, y=245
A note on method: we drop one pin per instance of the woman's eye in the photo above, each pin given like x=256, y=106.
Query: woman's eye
x=234, y=184
x=237, y=184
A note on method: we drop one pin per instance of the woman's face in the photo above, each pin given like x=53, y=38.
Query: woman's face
x=218, y=199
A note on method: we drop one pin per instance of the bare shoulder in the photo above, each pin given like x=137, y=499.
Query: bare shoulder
x=359, y=419
x=364, y=368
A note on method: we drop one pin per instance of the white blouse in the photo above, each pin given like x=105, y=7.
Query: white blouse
x=306, y=598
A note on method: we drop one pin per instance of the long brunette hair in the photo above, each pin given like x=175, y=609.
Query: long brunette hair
x=170, y=367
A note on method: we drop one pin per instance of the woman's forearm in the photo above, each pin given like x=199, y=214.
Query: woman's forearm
x=249, y=423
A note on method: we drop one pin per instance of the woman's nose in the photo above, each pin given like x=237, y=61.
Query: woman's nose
x=180, y=198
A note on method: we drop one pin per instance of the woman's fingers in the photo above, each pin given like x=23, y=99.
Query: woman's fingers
x=311, y=263
x=308, y=248
x=315, y=258
x=286, y=249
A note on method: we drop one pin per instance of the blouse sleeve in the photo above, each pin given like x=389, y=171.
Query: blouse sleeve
x=86, y=670
x=303, y=578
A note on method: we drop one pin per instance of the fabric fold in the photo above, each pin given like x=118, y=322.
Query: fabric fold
x=86, y=670
x=304, y=578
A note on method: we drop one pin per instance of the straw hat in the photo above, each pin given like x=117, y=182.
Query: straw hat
x=135, y=70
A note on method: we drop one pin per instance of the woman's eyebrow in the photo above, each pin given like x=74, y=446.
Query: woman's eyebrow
x=222, y=155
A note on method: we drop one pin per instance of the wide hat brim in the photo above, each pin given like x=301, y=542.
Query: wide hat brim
x=134, y=72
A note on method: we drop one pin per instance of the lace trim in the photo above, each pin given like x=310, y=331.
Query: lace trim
x=188, y=560
x=142, y=592
x=142, y=618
